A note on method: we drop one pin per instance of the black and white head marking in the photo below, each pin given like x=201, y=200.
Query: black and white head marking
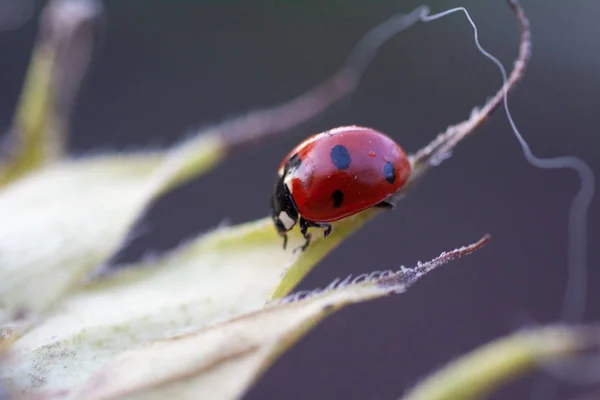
x=283, y=210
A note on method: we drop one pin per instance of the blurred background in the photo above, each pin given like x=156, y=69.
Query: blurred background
x=163, y=69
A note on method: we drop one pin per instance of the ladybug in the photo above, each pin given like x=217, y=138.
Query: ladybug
x=335, y=174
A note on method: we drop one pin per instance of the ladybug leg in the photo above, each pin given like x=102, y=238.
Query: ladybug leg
x=304, y=225
x=386, y=204
x=285, y=240
x=305, y=245
x=328, y=229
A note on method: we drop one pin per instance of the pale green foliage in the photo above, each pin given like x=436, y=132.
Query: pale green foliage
x=63, y=221
x=214, y=278
x=475, y=375
x=222, y=362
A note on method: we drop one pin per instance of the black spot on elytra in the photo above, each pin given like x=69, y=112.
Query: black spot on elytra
x=340, y=157
x=389, y=172
x=337, y=197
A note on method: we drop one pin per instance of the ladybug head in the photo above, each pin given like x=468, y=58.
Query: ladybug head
x=283, y=209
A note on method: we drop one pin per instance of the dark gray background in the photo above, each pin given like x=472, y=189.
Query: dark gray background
x=164, y=68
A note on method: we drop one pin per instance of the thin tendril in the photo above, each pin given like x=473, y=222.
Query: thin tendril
x=574, y=302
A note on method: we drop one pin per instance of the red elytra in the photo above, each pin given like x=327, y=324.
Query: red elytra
x=335, y=174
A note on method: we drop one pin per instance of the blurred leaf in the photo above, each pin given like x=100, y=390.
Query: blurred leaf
x=69, y=347
x=216, y=277
x=58, y=64
x=61, y=222
x=475, y=375
x=220, y=362
x=34, y=141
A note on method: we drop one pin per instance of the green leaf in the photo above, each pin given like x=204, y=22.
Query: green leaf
x=215, y=288
x=59, y=61
x=475, y=375
x=220, y=363
x=63, y=221
x=216, y=277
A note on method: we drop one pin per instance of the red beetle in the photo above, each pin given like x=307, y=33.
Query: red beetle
x=335, y=174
